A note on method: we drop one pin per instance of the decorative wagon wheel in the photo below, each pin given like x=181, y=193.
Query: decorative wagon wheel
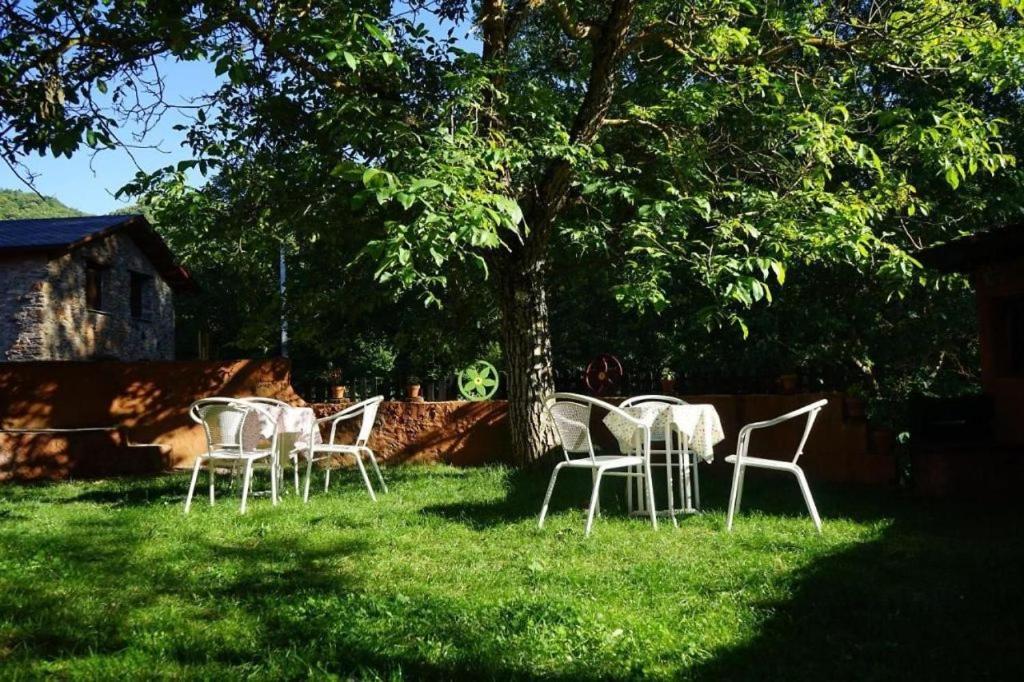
x=603, y=374
x=479, y=381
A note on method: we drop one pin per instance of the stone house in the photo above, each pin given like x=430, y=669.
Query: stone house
x=86, y=289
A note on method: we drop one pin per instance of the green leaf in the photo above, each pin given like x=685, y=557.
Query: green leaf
x=952, y=177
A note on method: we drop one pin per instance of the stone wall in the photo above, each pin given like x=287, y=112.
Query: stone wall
x=23, y=298
x=47, y=317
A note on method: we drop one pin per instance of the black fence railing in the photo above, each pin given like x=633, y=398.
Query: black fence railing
x=633, y=383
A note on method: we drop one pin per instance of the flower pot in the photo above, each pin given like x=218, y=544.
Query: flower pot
x=668, y=386
x=337, y=392
x=412, y=392
x=789, y=383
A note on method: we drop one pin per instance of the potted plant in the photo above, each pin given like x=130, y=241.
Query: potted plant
x=789, y=383
x=335, y=389
x=412, y=389
x=668, y=381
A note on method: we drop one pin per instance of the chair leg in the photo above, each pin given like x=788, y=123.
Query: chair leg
x=366, y=479
x=295, y=472
x=547, y=495
x=629, y=490
x=638, y=481
x=806, y=490
x=649, y=484
x=210, y=466
x=669, y=484
x=696, y=481
x=733, y=497
x=681, y=470
x=192, y=487
x=376, y=467
x=246, y=484
x=739, y=493
x=275, y=471
x=684, y=457
x=309, y=475
x=327, y=478
x=595, y=498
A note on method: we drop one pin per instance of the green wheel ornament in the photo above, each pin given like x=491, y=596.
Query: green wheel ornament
x=479, y=381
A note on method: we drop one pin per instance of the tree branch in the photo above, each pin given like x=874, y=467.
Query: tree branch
x=571, y=28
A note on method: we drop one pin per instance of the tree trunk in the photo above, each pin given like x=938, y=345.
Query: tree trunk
x=522, y=297
x=522, y=294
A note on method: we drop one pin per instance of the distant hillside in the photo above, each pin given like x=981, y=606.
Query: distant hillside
x=15, y=203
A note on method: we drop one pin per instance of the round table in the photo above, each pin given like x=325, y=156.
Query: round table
x=697, y=429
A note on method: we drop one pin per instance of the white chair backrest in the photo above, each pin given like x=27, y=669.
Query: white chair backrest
x=233, y=423
x=572, y=420
x=572, y=424
x=657, y=436
x=260, y=400
x=639, y=399
x=367, y=408
x=811, y=411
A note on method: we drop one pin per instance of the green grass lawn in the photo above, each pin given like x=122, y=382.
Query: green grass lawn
x=448, y=576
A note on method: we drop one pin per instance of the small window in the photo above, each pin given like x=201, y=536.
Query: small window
x=94, y=286
x=141, y=295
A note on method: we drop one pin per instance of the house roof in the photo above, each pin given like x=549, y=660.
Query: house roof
x=983, y=248
x=66, y=234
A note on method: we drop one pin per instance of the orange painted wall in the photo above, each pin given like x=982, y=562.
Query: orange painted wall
x=149, y=401
x=463, y=433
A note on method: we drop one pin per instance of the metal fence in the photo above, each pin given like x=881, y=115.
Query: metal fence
x=633, y=383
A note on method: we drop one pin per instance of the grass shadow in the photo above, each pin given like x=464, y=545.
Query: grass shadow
x=927, y=600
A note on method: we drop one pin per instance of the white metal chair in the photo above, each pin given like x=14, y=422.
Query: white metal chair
x=570, y=413
x=234, y=430
x=366, y=409
x=686, y=466
x=741, y=460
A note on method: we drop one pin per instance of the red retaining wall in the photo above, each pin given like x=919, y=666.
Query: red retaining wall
x=463, y=433
x=146, y=405
x=147, y=402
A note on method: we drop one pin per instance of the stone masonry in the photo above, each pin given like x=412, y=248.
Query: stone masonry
x=44, y=316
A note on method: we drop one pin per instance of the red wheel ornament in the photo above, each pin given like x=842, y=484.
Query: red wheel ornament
x=604, y=374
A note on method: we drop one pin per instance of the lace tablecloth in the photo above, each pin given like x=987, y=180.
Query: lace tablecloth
x=700, y=425
x=293, y=427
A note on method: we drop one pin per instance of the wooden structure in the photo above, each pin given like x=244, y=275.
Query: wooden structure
x=995, y=262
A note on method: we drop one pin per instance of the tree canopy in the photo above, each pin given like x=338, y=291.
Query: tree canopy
x=21, y=204
x=705, y=150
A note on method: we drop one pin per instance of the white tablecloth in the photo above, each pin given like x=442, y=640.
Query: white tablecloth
x=293, y=427
x=699, y=423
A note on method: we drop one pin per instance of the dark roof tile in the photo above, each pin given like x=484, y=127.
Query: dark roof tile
x=54, y=233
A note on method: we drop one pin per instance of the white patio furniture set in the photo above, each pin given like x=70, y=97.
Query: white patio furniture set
x=681, y=434
x=261, y=433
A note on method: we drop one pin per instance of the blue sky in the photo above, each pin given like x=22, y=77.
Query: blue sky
x=88, y=182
